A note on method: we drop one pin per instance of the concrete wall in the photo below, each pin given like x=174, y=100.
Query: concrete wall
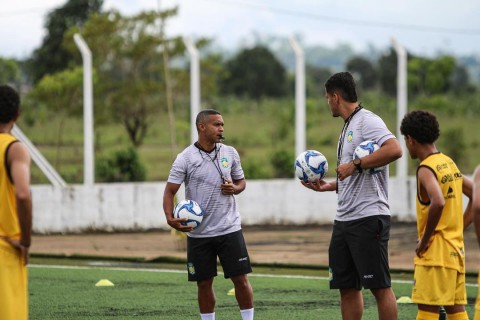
x=138, y=206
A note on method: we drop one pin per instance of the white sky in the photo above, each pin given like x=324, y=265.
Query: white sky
x=422, y=26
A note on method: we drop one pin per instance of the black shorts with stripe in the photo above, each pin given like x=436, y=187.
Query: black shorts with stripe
x=358, y=253
x=230, y=249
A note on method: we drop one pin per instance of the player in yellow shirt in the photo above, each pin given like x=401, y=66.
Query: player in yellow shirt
x=476, y=221
x=439, y=277
x=15, y=212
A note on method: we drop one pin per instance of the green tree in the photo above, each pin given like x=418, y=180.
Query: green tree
x=51, y=56
x=430, y=76
x=387, y=72
x=212, y=70
x=255, y=73
x=461, y=80
x=439, y=75
x=364, y=71
x=9, y=71
x=316, y=78
x=453, y=142
x=62, y=93
x=129, y=59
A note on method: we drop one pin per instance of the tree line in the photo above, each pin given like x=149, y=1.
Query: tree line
x=140, y=69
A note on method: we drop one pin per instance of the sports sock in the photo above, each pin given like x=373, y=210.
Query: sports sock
x=208, y=316
x=424, y=315
x=247, y=314
x=457, y=316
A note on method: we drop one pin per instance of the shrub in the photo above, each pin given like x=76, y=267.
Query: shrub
x=121, y=166
x=283, y=163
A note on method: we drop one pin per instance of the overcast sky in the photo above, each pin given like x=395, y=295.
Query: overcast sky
x=424, y=27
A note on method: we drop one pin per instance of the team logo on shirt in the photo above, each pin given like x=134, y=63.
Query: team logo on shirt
x=350, y=136
x=224, y=162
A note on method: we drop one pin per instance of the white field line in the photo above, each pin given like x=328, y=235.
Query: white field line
x=183, y=271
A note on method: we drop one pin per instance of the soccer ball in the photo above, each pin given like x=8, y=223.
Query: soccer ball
x=311, y=165
x=364, y=149
x=190, y=210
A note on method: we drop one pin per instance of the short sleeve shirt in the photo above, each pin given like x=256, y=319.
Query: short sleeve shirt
x=362, y=195
x=202, y=174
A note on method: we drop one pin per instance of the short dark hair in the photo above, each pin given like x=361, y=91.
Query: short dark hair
x=202, y=115
x=420, y=125
x=343, y=84
x=9, y=104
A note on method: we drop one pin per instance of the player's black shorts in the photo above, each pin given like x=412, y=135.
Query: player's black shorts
x=358, y=253
x=202, y=256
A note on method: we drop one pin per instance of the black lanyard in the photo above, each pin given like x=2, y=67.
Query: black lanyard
x=217, y=166
x=342, y=138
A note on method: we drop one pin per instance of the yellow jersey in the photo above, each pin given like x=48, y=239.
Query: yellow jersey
x=446, y=247
x=9, y=225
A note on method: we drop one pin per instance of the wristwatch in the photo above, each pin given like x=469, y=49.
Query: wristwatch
x=357, y=162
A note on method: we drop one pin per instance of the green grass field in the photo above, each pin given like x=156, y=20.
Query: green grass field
x=160, y=291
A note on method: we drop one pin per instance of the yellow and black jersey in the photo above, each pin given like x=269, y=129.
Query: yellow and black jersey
x=446, y=248
x=9, y=225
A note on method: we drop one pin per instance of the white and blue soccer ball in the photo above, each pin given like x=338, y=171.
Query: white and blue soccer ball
x=190, y=210
x=311, y=165
x=364, y=149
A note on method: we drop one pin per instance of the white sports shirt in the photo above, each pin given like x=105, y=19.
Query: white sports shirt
x=362, y=195
x=202, y=173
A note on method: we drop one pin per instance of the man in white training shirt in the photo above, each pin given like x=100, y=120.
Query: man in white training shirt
x=358, y=252
x=212, y=174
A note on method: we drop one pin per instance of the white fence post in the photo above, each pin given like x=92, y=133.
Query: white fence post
x=401, y=102
x=300, y=126
x=402, y=91
x=88, y=160
x=194, y=87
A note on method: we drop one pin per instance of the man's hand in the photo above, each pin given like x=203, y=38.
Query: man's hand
x=421, y=248
x=228, y=187
x=345, y=170
x=176, y=223
x=319, y=185
x=23, y=250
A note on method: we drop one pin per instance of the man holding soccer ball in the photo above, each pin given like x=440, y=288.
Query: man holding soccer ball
x=213, y=175
x=358, y=252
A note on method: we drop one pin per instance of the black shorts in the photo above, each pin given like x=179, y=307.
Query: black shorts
x=358, y=253
x=202, y=256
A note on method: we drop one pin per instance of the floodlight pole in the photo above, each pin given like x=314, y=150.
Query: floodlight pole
x=402, y=164
x=194, y=87
x=88, y=160
x=300, y=126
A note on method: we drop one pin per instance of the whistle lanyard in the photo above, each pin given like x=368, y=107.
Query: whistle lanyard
x=215, y=163
x=342, y=138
